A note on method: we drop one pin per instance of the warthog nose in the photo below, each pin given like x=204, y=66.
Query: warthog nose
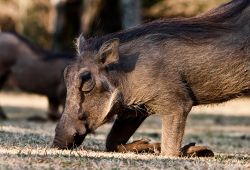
x=57, y=144
x=78, y=139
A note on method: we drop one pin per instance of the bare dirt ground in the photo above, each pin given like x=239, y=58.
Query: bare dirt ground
x=26, y=145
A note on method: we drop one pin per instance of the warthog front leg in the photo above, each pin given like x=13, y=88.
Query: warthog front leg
x=191, y=150
x=122, y=130
x=143, y=145
x=140, y=146
x=173, y=126
x=173, y=116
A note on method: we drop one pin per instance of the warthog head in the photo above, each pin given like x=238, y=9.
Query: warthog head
x=91, y=95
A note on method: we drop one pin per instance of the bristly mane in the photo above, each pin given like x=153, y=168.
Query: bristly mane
x=226, y=11
x=46, y=54
x=203, y=27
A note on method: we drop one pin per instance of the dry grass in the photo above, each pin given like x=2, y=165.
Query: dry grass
x=25, y=145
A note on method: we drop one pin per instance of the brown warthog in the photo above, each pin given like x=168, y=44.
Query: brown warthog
x=32, y=69
x=165, y=68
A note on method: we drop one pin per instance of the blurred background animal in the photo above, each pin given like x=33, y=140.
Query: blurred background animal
x=26, y=67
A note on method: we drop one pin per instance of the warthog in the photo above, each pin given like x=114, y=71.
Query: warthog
x=163, y=67
x=32, y=69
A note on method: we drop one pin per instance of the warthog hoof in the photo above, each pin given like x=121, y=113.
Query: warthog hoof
x=144, y=146
x=190, y=150
x=140, y=146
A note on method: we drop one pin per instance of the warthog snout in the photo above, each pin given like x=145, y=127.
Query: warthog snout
x=69, y=143
x=68, y=135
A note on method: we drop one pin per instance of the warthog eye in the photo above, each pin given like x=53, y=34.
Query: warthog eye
x=86, y=76
x=88, y=82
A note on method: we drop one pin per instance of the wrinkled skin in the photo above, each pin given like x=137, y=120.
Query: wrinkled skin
x=87, y=90
x=163, y=68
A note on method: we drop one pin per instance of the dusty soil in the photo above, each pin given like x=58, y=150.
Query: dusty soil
x=26, y=145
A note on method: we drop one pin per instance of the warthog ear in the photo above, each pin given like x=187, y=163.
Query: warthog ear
x=109, y=52
x=80, y=43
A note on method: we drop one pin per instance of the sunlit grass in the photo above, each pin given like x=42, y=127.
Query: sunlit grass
x=26, y=145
